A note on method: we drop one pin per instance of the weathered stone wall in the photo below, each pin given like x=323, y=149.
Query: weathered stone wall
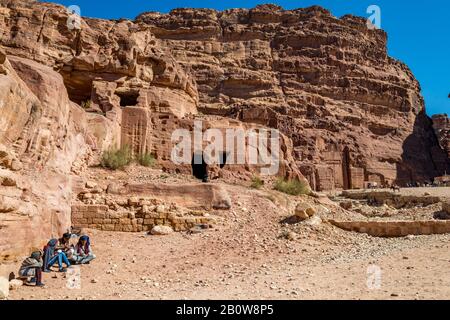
x=394, y=228
x=140, y=207
x=144, y=218
x=393, y=199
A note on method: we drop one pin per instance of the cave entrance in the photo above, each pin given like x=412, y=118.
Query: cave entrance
x=199, y=167
x=346, y=173
x=79, y=91
x=128, y=99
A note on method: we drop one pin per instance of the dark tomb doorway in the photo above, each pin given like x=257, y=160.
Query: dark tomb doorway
x=346, y=173
x=199, y=167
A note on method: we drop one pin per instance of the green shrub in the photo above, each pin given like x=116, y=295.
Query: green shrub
x=257, y=183
x=292, y=187
x=116, y=158
x=146, y=160
x=86, y=104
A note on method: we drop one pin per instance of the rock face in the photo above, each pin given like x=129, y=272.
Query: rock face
x=68, y=94
x=441, y=125
x=133, y=90
x=354, y=114
x=105, y=64
x=42, y=135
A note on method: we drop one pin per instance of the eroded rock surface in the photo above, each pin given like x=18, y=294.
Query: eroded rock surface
x=354, y=113
x=42, y=135
x=441, y=125
x=349, y=114
x=69, y=94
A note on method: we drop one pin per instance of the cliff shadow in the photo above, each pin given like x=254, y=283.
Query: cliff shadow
x=423, y=159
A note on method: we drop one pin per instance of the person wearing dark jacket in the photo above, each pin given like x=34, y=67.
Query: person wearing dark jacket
x=64, y=242
x=65, y=245
x=31, y=267
x=52, y=255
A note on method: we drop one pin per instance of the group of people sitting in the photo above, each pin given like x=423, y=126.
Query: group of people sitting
x=58, y=251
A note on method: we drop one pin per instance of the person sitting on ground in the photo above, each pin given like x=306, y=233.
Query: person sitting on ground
x=83, y=252
x=53, y=255
x=64, y=242
x=65, y=246
x=31, y=268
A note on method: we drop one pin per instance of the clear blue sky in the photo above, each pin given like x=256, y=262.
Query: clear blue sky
x=419, y=31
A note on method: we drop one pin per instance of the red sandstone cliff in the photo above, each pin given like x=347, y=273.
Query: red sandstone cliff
x=66, y=95
x=441, y=125
x=349, y=112
x=354, y=114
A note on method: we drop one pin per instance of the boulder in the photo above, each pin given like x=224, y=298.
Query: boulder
x=161, y=230
x=314, y=221
x=347, y=205
x=113, y=188
x=2, y=56
x=301, y=215
x=15, y=284
x=445, y=213
x=4, y=288
x=91, y=184
x=304, y=211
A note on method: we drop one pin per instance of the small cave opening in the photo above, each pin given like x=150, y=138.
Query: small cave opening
x=199, y=167
x=128, y=99
x=79, y=92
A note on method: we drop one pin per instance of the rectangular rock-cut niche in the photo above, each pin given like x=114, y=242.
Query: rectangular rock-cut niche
x=128, y=98
x=135, y=129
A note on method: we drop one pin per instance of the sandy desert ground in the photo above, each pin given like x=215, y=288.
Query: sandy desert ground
x=244, y=257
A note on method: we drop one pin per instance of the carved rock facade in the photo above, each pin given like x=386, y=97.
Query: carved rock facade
x=353, y=113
